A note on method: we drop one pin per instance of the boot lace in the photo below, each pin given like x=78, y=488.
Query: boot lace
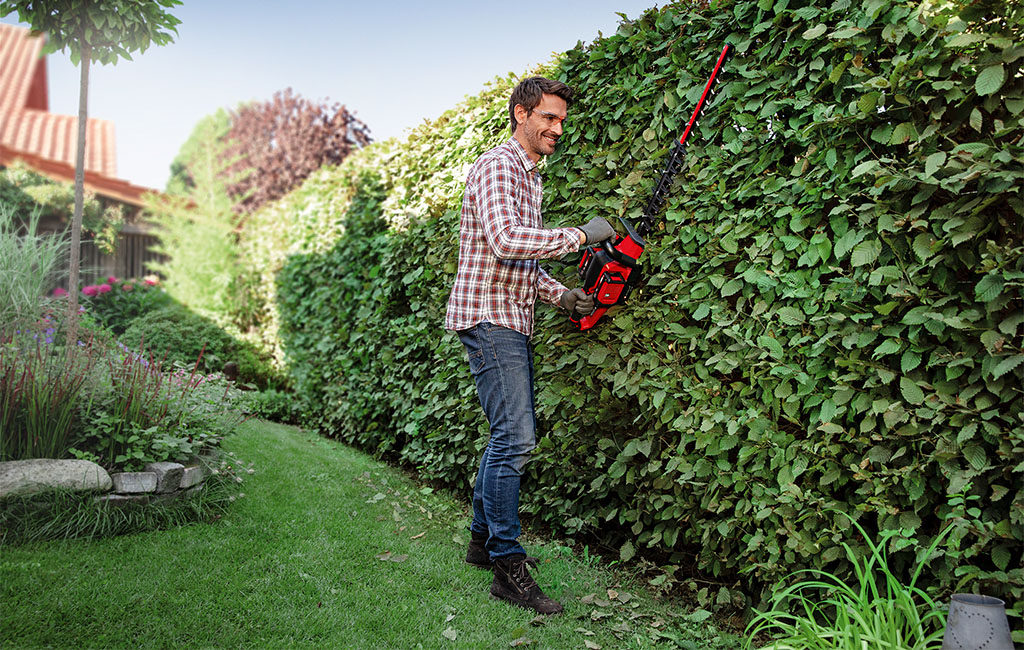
x=521, y=576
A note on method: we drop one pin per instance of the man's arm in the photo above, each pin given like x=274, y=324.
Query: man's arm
x=549, y=290
x=502, y=224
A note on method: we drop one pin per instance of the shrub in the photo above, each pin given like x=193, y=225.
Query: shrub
x=104, y=402
x=115, y=304
x=275, y=405
x=830, y=322
x=177, y=336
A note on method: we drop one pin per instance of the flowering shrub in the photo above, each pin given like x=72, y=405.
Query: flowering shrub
x=116, y=303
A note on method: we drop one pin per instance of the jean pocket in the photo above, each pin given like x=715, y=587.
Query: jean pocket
x=474, y=350
x=476, y=361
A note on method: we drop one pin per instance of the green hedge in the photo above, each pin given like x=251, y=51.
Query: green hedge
x=831, y=315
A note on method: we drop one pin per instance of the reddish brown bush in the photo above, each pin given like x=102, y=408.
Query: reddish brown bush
x=275, y=145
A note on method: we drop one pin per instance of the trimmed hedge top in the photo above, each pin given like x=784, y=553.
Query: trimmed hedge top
x=830, y=322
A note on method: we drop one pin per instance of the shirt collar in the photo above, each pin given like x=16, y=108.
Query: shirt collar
x=528, y=164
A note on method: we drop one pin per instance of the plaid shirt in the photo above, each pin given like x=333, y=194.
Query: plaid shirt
x=501, y=237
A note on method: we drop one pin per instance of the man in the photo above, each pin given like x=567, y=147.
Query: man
x=501, y=237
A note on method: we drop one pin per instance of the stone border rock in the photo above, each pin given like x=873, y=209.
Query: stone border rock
x=159, y=482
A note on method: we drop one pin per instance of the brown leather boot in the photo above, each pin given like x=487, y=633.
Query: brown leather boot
x=477, y=554
x=513, y=583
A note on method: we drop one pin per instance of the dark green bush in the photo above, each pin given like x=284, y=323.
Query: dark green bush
x=177, y=336
x=275, y=405
x=830, y=320
x=117, y=303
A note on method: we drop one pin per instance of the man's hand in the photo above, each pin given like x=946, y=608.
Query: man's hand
x=577, y=300
x=597, y=230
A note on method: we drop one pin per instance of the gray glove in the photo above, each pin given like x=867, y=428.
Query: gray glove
x=597, y=230
x=577, y=300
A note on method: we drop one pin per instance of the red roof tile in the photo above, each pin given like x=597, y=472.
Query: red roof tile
x=27, y=126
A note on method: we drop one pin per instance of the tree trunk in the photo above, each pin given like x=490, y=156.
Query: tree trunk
x=76, y=222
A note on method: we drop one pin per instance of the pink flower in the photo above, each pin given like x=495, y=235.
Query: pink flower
x=111, y=279
x=127, y=287
x=90, y=290
x=151, y=280
x=103, y=288
x=60, y=292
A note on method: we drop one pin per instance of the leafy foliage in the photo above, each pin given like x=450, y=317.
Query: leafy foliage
x=195, y=222
x=26, y=192
x=176, y=336
x=275, y=145
x=108, y=31
x=830, y=323
x=116, y=303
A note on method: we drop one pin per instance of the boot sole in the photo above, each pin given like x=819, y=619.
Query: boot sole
x=522, y=606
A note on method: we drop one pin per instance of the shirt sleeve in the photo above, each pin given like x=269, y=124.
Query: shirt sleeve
x=501, y=220
x=549, y=289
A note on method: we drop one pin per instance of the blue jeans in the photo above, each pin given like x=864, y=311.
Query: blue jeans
x=501, y=361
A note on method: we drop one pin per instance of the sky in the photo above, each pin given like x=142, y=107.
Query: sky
x=393, y=63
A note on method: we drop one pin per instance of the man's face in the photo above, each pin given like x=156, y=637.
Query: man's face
x=538, y=131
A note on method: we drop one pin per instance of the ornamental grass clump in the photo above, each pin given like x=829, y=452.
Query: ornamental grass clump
x=878, y=612
x=101, y=401
x=41, y=390
x=29, y=263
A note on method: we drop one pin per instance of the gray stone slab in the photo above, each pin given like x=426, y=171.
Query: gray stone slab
x=134, y=482
x=19, y=477
x=168, y=475
x=192, y=476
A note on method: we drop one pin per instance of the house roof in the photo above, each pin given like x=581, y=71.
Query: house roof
x=29, y=131
x=114, y=188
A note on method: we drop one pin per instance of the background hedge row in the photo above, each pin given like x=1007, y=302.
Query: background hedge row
x=830, y=322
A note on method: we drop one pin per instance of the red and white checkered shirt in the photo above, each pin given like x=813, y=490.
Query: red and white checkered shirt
x=501, y=237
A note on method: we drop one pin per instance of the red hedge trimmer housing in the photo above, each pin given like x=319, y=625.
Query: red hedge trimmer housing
x=609, y=271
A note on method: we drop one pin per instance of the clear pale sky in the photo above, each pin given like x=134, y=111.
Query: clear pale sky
x=394, y=63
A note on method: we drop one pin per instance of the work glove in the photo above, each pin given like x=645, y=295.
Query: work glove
x=577, y=300
x=597, y=230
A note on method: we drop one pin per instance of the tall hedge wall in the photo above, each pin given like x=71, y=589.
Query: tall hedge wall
x=830, y=324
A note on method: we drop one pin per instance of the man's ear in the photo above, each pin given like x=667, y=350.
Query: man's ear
x=521, y=114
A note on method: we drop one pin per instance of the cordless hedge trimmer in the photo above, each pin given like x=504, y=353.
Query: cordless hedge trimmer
x=609, y=271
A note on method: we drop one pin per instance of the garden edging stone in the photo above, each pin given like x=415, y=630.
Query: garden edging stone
x=168, y=475
x=23, y=477
x=160, y=483
x=134, y=482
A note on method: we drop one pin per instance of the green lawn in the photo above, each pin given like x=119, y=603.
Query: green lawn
x=327, y=549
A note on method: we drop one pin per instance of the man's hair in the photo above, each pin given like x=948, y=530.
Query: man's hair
x=528, y=94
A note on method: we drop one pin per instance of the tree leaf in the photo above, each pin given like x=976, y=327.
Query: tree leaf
x=911, y=391
x=909, y=361
x=1006, y=365
x=772, y=345
x=626, y=551
x=814, y=32
x=990, y=79
x=989, y=288
x=976, y=120
x=934, y=163
x=791, y=316
x=866, y=167
x=975, y=455
x=866, y=252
